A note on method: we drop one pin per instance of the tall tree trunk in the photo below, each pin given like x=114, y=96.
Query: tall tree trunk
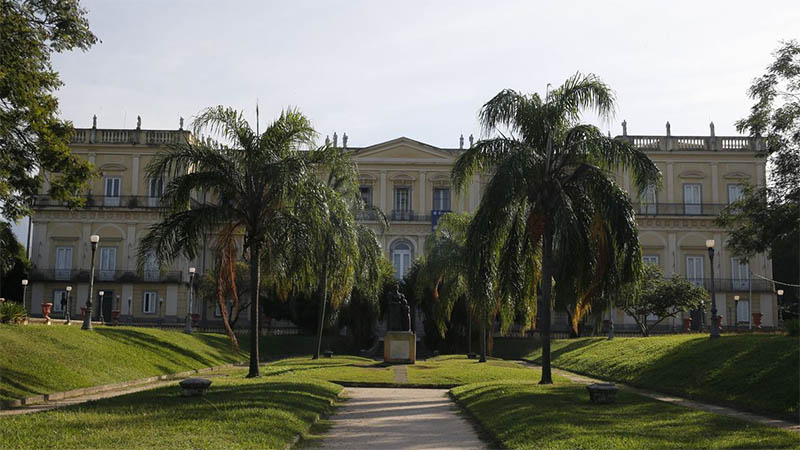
x=483, y=341
x=547, y=282
x=323, y=299
x=255, y=281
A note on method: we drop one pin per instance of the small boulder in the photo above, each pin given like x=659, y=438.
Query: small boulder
x=193, y=387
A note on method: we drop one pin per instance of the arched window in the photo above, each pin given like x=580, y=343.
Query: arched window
x=402, y=255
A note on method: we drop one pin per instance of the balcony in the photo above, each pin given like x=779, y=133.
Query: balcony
x=117, y=276
x=678, y=209
x=735, y=285
x=101, y=201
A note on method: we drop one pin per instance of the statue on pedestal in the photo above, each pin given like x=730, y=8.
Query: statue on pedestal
x=399, y=312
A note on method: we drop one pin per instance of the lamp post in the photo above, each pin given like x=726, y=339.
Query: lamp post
x=102, y=296
x=780, y=308
x=87, y=320
x=714, y=317
x=24, y=292
x=66, y=314
x=735, y=313
x=188, y=329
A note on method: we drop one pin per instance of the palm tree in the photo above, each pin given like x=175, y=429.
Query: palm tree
x=551, y=184
x=347, y=252
x=264, y=186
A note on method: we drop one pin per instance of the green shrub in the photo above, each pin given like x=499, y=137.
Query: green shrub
x=793, y=327
x=12, y=312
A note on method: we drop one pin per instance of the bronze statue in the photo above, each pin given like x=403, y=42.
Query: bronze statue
x=399, y=312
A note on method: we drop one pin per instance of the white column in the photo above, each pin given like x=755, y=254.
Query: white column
x=761, y=170
x=135, y=176
x=474, y=194
x=383, y=201
x=719, y=246
x=670, y=184
x=671, y=254
x=421, y=210
x=127, y=293
x=130, y=247
x=715, y=183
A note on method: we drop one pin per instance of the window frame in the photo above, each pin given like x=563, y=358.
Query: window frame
x=145, y=303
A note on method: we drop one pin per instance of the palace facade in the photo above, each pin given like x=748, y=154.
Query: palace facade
x=410, y=182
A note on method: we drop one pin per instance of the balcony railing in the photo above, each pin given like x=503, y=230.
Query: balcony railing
x=101, y=201
x=120, y=276
x=695, y=143
x=735, y=285
x=119, y=136
x=678, y=209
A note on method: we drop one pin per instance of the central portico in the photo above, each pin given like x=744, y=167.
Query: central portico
x=410, y=182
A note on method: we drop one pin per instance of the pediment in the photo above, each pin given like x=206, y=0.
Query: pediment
x=692, y=174
x=403, y=149
x=112, y=167
x=736, y=176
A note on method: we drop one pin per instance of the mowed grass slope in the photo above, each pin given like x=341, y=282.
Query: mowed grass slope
x=38, y=359
x=755, y=372
x=235, y=412
x=560, y=416
x=455, y=370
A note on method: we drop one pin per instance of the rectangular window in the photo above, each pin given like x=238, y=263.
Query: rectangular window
x=366, y=194
x=650, y=259
x=647, y=201
x=692, y=198
x=150, y=268
x=112, y=190
x=735, y=192
x=155, y=190
x=63, y=263
x=58, y=296
x=108, y=263
x=441, y=199
x=743, y=311
x=149, y=302
x=740, y=275
x=402, y=199
x=694, y=269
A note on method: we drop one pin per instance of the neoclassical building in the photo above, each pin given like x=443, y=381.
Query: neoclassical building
x=410, y=182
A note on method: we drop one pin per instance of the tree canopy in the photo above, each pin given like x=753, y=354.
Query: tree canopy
x=767, y=218
x=34, y=142
x=552, y=200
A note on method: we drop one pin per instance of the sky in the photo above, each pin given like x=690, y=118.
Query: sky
x=378, y=70
x=421, y=69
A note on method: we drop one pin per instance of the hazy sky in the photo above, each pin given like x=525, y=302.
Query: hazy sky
x=380, y=70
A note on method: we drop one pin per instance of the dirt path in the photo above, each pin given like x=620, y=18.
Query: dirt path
x=380, y=418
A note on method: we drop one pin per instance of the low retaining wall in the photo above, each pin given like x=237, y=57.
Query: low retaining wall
x=44, y=398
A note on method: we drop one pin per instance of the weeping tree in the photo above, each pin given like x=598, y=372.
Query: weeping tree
x=264, y=187
x=346, y=253
x=550, y=183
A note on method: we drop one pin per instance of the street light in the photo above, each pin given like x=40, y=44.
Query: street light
x=66, y=314
x=102, y=296
x=188, y=328
x=24, y=292
x=87, y=320
x=780, y=309
x=735, y=313
x=714, y=317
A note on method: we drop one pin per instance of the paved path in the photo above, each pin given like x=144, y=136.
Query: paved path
x=53, y=404
x=380, y=418
x=750, y=417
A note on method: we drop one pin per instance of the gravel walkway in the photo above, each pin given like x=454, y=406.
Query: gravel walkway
x=380, y=418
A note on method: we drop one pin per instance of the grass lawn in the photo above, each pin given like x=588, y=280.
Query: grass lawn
x=755, y=372
x=236, y=412
x=560, y=416
x=39, y=359
x=339, y=369
x=452, y=370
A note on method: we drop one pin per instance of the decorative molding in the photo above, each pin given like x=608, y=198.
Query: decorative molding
x=402, y=177
x=113, y=167
x=692, y=174
x=736, y=176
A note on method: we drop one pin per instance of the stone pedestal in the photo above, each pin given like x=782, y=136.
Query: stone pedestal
x=400, y=347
